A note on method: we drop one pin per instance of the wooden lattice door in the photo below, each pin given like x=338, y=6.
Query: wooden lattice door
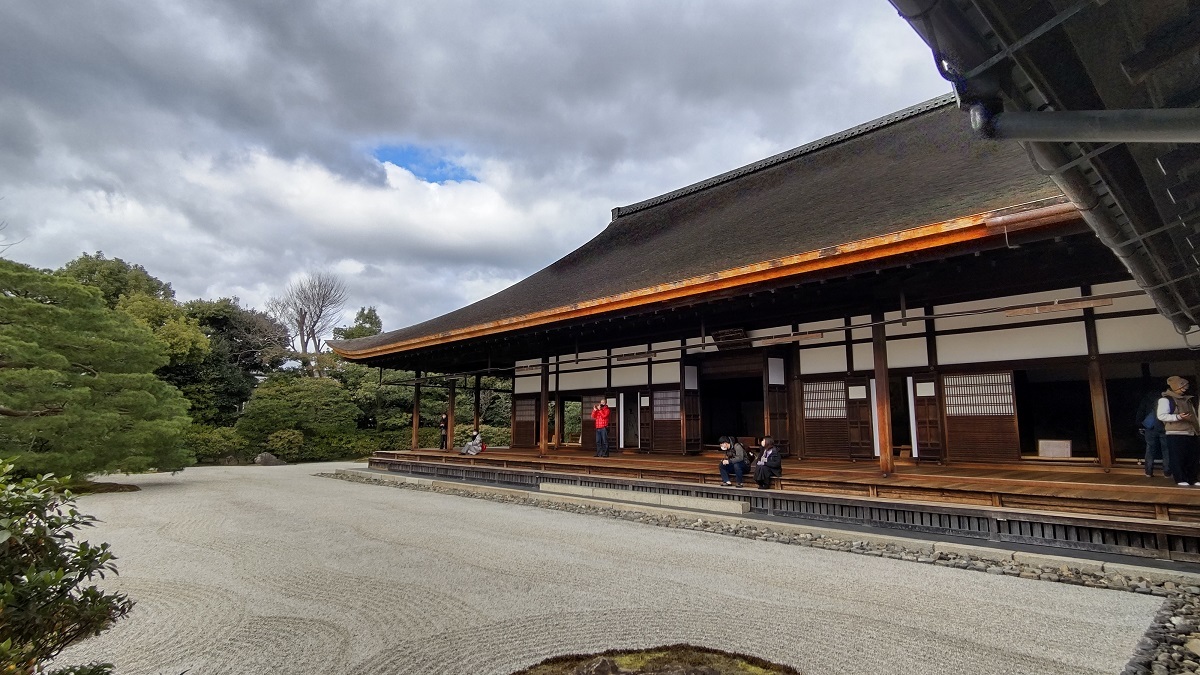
x=981, y=417
x=927, y=414
x=525, y=422
x=826, y=433
x=859, y=418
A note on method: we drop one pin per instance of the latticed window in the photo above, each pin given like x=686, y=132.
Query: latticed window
x=666, y=405
x=526, y=409
x=825, y=400
x=979, y=394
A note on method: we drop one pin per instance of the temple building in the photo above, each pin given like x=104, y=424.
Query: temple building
x=904, y=296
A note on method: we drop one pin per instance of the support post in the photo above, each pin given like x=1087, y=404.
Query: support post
x=883, y=403
x=450, y=416
x=543, y=404
x=477, y=377
x=416, y=413
x=1099, y=393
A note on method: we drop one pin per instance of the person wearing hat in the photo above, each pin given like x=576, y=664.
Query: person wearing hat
x=1178, y=415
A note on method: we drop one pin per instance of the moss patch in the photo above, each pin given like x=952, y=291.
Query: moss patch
x=671, y=658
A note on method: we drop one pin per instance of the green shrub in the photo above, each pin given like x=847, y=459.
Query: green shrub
x=493, y=436
x=314, y=406
x=47, y=597
x=212, y=444
x=287, y=444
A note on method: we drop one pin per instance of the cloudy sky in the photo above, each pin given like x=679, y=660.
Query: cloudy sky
x=431, y=152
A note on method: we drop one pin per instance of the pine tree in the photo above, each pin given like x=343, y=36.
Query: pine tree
x=78, y=393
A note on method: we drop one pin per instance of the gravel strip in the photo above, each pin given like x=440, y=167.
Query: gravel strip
x=270, y=569
x=1170, y=645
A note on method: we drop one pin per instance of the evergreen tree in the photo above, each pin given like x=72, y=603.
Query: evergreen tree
x=115, y=277
x=366, y=324
x=78, y=392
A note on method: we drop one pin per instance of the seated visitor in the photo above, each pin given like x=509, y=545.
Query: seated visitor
x=769, y=464
x=735, y=459
x=474, y=446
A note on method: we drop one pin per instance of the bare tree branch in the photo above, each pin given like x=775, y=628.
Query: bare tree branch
x=310, y=308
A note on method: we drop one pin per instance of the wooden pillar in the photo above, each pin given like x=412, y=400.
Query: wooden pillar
x=558, y=418
x=883, y=403
x=1099, y=393
x=543, y=405
x=450, y=416
x=650, y=392
x=416, y=412
x=477, y=378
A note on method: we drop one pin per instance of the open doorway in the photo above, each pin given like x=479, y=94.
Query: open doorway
x=631, y=410
x=572, y=420
x=731, y=407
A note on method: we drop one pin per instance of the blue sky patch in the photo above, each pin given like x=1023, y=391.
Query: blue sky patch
x=429, y=164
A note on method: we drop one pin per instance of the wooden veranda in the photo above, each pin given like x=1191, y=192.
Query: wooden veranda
x=1073, y=507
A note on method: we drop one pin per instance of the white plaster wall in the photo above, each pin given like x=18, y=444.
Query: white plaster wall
x=823, y=360
x=864, y=356
x=588, y=380
x=666, y=373
x=908, y=353
x=1136, y=334
x=1016, y=343
x=998, y=318
x=527, y=385
x=586, y=360
x=667, y=355
x=1136, y=302
x=916, y=323
x=833, y=330
x=860, y=333
x=629, y=376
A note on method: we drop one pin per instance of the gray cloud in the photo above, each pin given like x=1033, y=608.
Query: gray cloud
x=225, y=144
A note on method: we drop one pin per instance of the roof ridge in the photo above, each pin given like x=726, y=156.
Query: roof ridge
x=805, y=149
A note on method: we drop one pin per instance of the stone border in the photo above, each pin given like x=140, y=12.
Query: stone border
x=1171, y=643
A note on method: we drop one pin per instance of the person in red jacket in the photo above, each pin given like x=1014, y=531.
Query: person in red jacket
x=600, y=417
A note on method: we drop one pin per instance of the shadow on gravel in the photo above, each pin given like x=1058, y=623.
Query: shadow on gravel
x=667, y=660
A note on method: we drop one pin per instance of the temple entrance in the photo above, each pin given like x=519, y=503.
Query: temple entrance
x=631, y=411
x=731, y=407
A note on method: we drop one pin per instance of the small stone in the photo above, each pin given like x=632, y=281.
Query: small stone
x=1049, y=577
x=995, y=570
x=599, y=666
x=267, y=459
x=1029, y=575
x=1192, y=646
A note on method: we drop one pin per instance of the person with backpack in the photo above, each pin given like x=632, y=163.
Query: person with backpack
x=474, y=445
x=769, y=464
x=1151, y=428
x=1178, y=415
x=736, y=459
x=443, y=429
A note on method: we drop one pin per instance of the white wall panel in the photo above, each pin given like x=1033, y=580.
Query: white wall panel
x=833, y=330
x=587, y=380
x=908, y=353
x=629, y=376
x=998, y=318
x=860, y=333
x=527, y=385
x=1017, y=343
x=1137, y=334
x=666, y=373
x=864, y=356
x=823, y=360
x=667, y=355
x=916, y=324
x=586, y=360
x=1136, y=302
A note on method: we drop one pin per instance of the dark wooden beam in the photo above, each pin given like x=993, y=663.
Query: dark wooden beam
x=543, y=405
x=1099, y=392
x=883, y=403
x=450, y=416
x=476, y=409
x=416, y=414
